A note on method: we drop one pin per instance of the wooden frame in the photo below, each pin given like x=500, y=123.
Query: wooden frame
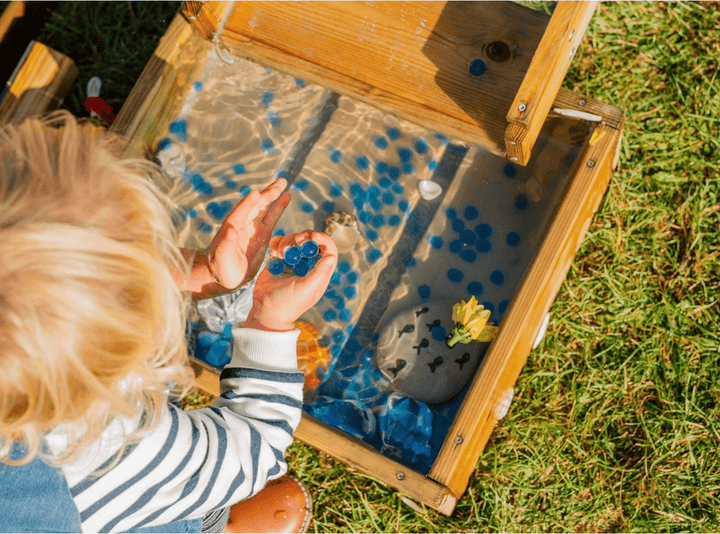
x=146, y=115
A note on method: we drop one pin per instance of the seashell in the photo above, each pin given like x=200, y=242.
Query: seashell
x=429, y=190
x=342, y=227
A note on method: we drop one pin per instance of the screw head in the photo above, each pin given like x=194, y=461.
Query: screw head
x=522, y=107
x=582, y=102
x=591, y=164
x=400, y=475
x=458, y=440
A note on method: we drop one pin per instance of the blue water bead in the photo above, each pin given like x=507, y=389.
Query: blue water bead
x=483, y=230
x=267, y=145
x=279, y=231
x=475, y=288
x=373, y=191
x=394, y=220
x=477, y=67
x=438, y=333
x=336, y=156
x=349, y=292
x=513, y=238
x=338, y=336
x=345, y=315
x=467, y=237
x=267, y=99
x=372, y=235
x=403, y=205
x=358, y=203
x=164, y=143
x=510, y=170
x=336, y=190
x=381, y=167
x=521, y=202
x=458, y=225
x=179, y=129
x=424, y=291
x=353, y=277
x=468, y=254
x=410, y=262
x=357, y=191
x=204, y=227
x=375, y=204
x=231, y=184
x=489, y=306
x=308, y=208
x=335, y=279
x=192, y=213
x=373, y=255
x=385, y=182
x=398, y=188
x=343, y=267
x=483, y=246
x=378, y=221
x=274, y=118
x=421, y=146
x=339, y=302
x=405, y=154
x=299, y=82
x=455, y=246
x=219, y=210
x=276, y=266
x=471, y=213
x=394, y=173
x=328, y=206
x=394, y=134
x=387, y=198
x=199, y=183
x=300, y=185
x=502, y=306
x=381, y=142
x=244, y=190
x=239, y=168
x=497, y=277
x=292, y=256
x=436, y=242
x=349, y=415
x=451, y=213
x=432, y=164
x=455, y=275
x=330, y=315
x=364, y=217
x=309, y=249
x=302, y=267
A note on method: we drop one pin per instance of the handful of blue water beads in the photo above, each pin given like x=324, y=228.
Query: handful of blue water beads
x=298, y=260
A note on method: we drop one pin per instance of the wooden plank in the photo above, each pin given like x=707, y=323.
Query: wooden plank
x=161, y=88
x=550, y=62
x=13, y=11
x=408, y=58
x=507, y=354
x=204, y=16
x=40, y=84
x=352, y=451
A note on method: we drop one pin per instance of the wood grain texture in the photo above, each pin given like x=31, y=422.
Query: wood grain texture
x=508, y=353
x=409, y=58
x=551, y=60
x=13, y=10
x=40, y=84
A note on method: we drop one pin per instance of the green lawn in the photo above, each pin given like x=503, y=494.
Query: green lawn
x=615, y=425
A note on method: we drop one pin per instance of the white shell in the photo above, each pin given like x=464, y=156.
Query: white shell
x=502, y=405
x=429, y=190
x=345, y=238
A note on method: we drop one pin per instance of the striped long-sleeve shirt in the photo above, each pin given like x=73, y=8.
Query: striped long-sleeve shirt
x=196, y=461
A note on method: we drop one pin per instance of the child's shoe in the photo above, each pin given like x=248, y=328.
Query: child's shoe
x=283, y=506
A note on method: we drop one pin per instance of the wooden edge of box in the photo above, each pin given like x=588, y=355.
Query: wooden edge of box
x=507, y=354
x=13, y=10
x=148, y=107
x=39, y=84
x=351, y=451
x=540, y=85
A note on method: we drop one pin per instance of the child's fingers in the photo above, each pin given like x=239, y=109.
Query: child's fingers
x=269, y=221
x=227, y=267
x=242, y=213
x=316, y=281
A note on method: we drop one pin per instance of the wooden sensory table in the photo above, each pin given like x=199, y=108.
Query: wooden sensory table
x=483, y=73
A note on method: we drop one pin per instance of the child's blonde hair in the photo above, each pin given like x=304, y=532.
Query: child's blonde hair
x=91, y=322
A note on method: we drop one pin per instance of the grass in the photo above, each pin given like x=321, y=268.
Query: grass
x=615, y=424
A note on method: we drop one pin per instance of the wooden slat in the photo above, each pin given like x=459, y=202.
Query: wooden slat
x=204, y=16
x=161, y=88
x=40, y=84
x=507, y=354
x=408, y=58
x=550, y=62
x=13, y=11
x=353, y=452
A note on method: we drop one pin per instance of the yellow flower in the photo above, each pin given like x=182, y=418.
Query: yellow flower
x=471, y=323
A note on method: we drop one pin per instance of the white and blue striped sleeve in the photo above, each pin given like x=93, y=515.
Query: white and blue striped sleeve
x=197, y=461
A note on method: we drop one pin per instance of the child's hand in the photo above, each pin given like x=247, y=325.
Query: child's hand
x=279, y=301
x=238, y=249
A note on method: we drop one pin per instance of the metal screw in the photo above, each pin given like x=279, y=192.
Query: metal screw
x=513, y=143
x=582, y=102
x=458, y=440
x=522, y=107
x=513, y=159
x=400, y=475
x=572, y=34
x=591, y=164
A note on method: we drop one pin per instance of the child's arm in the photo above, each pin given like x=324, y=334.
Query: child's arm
x=197, y=461
x=238, y=249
